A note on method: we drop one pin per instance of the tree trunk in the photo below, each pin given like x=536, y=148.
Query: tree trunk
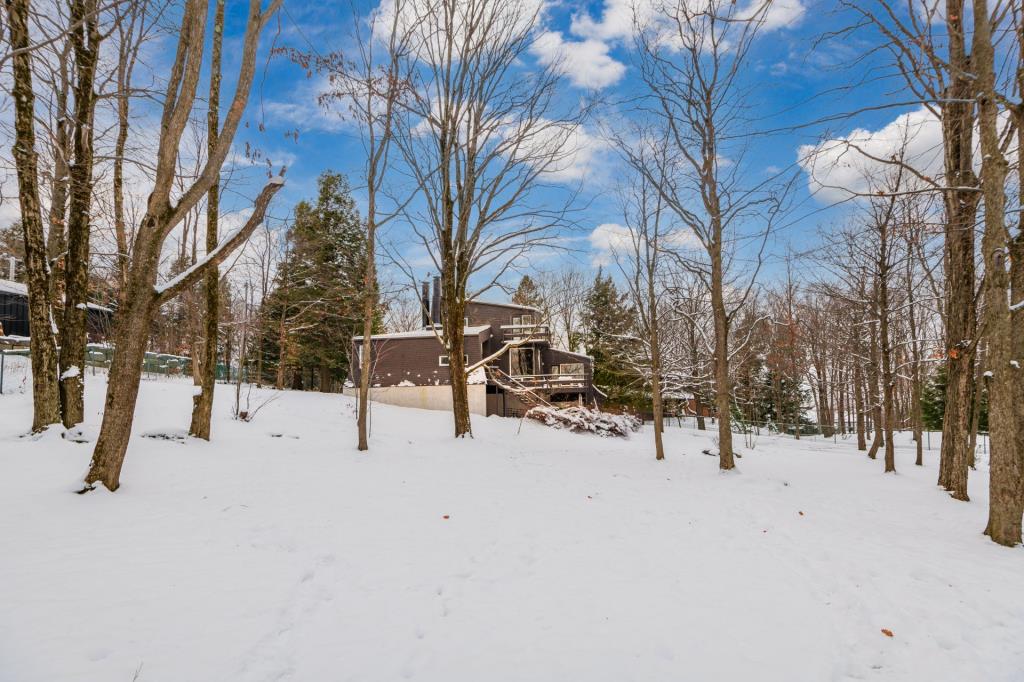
x=960, y=207
x=282, y=342
x=722, y=388
x=56, y=241
x=453, y=313
x=656, y=400
x=824, y=410
x=45, y=393
x=874, y=392
x=978, y=386
x=202, y=404
x=324, y=378
x=129, y=339
x=888, y=381
x=858, y=398
x=1005, y=499
x=73, y=330
x=698, y=404
x=120, y=223
x=369, y=308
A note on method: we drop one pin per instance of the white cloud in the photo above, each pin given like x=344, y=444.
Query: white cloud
x=427, y=29
x=609, y=239
x=302, y=109
x=779, y=14
x=619, y=16
x=606, y=240
x=616, y=20
x=842, y=166
x=586, y=63
x=578, y=153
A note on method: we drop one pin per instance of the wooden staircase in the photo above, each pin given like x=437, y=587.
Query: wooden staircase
x=525, y=394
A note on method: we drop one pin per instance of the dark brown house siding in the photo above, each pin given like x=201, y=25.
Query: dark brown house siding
x=413, y=359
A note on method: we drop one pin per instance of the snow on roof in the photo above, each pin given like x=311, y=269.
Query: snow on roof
x=506, y=305
x=9, y=287
x=19, y=289
x=575, y=355
x=423, y=333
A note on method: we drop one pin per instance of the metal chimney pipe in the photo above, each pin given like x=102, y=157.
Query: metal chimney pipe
x=425, y=303
x=435, y=304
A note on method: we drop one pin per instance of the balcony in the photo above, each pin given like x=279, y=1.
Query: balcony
x=551, y=382
x=523, y=332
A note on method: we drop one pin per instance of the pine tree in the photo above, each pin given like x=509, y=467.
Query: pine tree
x=933, y=401
x=608, y=324
x=527, y=293
x=314, y=309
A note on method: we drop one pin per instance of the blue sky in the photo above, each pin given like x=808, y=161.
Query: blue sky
x=795, y=77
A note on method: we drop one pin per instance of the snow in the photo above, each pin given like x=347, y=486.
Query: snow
x=19, y=289
x=9, y=287
x=424, y=333
x=524, y=553
x=583, y=419
x=15, y=340
x=71, y=372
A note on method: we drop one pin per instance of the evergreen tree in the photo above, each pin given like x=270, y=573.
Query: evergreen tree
x=527, y=293
x=609, y=325
x=315, y=305
x=933, y=401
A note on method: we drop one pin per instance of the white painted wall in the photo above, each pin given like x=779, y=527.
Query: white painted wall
x=426, y=397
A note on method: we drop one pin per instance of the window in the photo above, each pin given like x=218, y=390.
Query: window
x=524, y=361
x=442, y=360
x=527, y=319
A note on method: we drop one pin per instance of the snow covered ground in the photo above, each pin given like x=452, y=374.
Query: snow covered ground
x=278, y=552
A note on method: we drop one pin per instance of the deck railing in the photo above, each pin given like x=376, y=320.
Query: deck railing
x=553, y=381
x=517, y=332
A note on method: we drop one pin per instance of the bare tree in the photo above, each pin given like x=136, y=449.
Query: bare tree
x=938, y=71
x=479, y=136
x=45, y=390
x=691, y=57
x=142, y=297
x=1006, y=463
x=640, y=264
x=373, y=89
x=85, y=39
x=204, y=357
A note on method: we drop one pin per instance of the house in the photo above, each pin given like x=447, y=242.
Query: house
x=14, y=313
x=411, y=368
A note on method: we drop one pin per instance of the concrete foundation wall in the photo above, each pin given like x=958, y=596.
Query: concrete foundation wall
x=426, y=397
